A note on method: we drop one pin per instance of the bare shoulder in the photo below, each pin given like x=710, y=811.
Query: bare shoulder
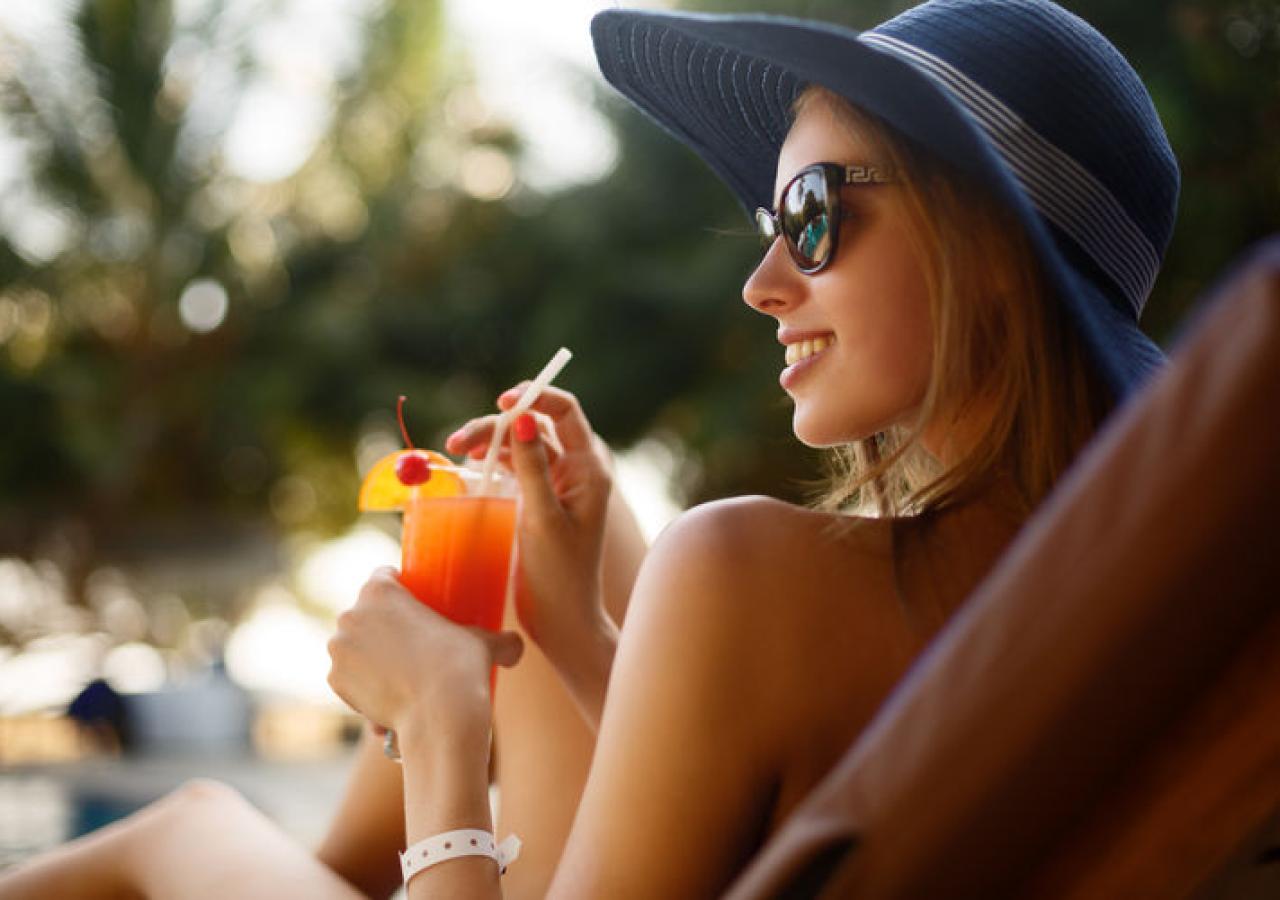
x=742, y=598
x=745, y=548
x=784, y=600
x=805, y=619
x=778, y=595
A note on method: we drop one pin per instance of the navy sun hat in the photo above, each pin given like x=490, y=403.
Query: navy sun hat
x=1022, y=95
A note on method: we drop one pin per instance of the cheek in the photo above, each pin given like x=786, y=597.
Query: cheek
x=913, y=326
x=911, y=334
x=896, y=328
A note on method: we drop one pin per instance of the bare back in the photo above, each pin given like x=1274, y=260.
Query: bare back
x=847, y=622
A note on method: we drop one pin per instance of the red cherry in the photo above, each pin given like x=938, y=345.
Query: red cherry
x=413, y=468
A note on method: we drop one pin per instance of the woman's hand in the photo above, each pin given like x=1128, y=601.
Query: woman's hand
x=563, y=470
x=401, y=664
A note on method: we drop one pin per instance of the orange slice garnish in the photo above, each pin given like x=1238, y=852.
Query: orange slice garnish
x=381, y=490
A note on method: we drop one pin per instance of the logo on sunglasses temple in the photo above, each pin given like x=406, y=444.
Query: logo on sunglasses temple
x=866, y=175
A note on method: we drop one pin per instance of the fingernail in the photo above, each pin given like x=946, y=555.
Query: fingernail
x=456, y=436
x=525, y=428
x=511, y=393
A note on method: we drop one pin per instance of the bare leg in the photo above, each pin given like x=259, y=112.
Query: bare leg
x=544, y=746
x=367, y=830
x=543, y=750
x=203, y=840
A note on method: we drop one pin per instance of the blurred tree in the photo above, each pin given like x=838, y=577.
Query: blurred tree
x=187, y=352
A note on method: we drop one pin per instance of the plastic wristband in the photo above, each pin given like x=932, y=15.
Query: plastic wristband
x=452, y=844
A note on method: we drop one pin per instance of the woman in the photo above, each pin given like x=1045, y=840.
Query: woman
x=963, y=210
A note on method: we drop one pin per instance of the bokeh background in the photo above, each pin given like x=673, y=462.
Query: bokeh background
x=233, y=231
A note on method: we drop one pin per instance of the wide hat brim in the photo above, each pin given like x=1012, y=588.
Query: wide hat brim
x=724, y=85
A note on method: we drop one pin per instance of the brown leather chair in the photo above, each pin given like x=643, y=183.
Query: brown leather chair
x=1102, y=717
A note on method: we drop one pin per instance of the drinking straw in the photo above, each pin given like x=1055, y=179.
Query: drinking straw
x=549, y=371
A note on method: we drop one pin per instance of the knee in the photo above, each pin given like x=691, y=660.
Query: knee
x=194, y=806
x=205, y=793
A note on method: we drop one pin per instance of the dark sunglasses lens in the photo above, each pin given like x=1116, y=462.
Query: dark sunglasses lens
x=806, y=219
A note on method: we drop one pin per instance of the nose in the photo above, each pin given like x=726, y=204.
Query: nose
x=776, y=286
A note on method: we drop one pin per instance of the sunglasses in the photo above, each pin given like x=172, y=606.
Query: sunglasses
x=808, y=217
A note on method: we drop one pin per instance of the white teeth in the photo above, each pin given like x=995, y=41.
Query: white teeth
x=805, y=349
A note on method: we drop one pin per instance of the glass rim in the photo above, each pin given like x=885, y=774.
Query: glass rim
x=471, y=474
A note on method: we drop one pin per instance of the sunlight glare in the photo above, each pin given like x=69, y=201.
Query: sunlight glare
x=332, y=573
x=281, y=650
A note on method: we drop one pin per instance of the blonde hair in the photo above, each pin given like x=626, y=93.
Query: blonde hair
x=1001, y=347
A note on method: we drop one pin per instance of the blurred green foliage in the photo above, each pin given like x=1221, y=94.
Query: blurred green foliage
x=369, y=273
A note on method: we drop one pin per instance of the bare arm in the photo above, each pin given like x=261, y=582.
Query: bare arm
x=367, y=830
x=624, y=552
x=579, y=657
x=543, y=743
x=681, y=783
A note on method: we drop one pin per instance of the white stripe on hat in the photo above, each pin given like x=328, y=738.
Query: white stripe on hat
x=1064, y=192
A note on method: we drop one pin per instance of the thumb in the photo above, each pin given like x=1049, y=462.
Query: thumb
x=505, y=647
x=529, y=460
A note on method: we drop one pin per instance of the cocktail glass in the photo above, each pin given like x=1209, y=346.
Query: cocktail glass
x=456, y=550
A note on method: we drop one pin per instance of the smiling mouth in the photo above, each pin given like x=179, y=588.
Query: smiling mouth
x=802, y=350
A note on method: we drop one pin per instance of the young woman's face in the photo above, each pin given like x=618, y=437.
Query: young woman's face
x=870, y=303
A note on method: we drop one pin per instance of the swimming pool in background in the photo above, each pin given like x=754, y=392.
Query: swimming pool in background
x=39, y=812
x=43, y=806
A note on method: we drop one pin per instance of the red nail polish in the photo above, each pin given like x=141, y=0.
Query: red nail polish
x=525, y=428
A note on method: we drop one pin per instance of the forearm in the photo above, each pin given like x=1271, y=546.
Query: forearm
x=543, y=747
x=583, y=660
x=446, y=787
x=623, y=552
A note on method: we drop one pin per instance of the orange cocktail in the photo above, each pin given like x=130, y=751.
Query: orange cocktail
x=457, y=536
x=456, y=555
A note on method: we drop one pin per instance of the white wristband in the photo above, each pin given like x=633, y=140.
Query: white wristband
x=452, y=844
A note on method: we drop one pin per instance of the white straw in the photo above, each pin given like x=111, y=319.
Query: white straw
x=549, y=371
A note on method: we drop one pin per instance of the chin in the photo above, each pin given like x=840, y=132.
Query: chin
x=823, y=428
x=813, y=432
